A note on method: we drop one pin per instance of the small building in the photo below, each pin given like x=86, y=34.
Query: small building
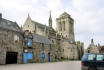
x=38, y=48
x=92, y=48
x=11, y=42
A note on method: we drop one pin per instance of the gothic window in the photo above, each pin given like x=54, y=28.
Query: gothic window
x=71, y=49
x=64, y=25
x=63, y=50
x=60, y=26
x=53, y=41
x=50, y=47
x=42, y=56
x=42, y=46
x=28, y=25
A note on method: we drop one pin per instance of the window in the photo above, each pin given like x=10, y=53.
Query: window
x=29, y=42
x=63, y=50
x=71, y=50
x=28, y=25
x=91, y=56
x=99, y=57
x=64, y=25
x=60, y=26
x=42, y=46
x=16, y=38
x=42, y=56
x=85, y=57
x=50, y=47
x=53, y=41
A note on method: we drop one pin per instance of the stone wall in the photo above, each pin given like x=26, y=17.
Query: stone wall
x=80, y=48
x=7, y=44
x=65, y=26
x=36, y=49
x=69, y=50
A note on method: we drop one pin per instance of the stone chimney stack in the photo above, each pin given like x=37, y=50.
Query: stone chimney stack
x=0, y=15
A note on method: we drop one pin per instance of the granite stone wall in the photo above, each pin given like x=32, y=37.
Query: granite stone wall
x=9, y=44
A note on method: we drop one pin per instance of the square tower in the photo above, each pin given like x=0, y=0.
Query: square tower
x=65, y=26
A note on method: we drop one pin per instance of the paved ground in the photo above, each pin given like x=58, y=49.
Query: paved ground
x=67, y=65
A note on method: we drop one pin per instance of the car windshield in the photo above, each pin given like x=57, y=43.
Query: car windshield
x=85, y=57
x=91, y=56
x=99, y=57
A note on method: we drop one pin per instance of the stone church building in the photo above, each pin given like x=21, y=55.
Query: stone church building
x=92, y=48
x=35, y=42
x=63, y=37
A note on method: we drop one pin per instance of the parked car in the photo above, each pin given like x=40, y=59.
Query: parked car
x=91, y=61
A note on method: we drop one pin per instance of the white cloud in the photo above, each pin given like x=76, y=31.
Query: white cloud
x=53, y=4
x=88, y=15
x=86, y=4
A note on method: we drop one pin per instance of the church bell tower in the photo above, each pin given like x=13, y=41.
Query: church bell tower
x=50, y=21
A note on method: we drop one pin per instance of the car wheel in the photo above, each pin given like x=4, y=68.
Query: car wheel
x=92, y=68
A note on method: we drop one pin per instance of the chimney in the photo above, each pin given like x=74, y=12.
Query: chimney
x=0, y=15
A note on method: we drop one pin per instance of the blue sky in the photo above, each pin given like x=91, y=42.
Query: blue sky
x=87, y=14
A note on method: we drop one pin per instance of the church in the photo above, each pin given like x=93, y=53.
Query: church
x=62, y=38
x=35, y=42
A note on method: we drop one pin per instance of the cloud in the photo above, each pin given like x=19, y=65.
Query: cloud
x=53, y=4
x=87, y=14
x=86, y=5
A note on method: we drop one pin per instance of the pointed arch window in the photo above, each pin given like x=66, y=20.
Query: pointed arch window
x=60, y=26
x=64, y=25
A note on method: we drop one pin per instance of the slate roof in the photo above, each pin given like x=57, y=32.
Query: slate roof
x=4, y=23
x=41, y=39
x=40, y=25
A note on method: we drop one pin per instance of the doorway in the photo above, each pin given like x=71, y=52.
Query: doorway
x=28, y=56
x=11, y=57
x=48, y=57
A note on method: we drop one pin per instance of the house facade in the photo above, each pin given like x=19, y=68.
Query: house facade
x=38, y=48
x=11, y=42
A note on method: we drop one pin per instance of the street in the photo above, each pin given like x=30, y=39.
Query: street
x=66, y=65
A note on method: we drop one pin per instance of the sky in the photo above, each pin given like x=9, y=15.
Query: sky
x=87, y=14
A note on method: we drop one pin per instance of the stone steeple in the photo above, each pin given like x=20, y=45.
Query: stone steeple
x=92, y=41
x=50, y=20
x=29, y=18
